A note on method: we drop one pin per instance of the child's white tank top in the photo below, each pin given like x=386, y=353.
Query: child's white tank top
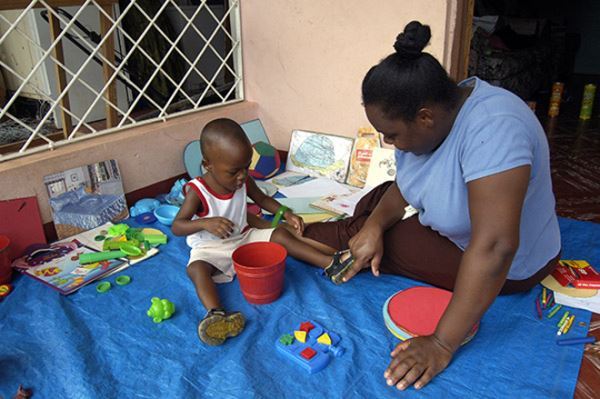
x=230, y=206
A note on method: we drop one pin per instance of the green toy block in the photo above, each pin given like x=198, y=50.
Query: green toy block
x=100, y=256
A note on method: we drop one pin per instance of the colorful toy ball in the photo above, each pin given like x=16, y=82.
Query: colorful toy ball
x=265, y=161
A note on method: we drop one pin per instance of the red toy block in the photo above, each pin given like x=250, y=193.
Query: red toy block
x=308, y=353
x=306, y=326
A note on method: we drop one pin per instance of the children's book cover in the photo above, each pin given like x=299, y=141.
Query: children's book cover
x=320, y=155
x=382, y=167
x=58, y=266
x=367, y=140
x=85, y=197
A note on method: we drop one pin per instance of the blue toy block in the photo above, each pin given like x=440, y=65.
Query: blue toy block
x=324, y=353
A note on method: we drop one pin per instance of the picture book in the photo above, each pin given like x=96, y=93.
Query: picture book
x=341, y=204
x=58, y=266
x=319, y=155
x=367, y=140
x=318, y=187
x=85, y=197
x=382, y=167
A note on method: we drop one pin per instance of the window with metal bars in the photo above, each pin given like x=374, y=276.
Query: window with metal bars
x=75, y=69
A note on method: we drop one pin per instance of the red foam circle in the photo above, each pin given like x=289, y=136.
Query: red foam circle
x=418, y=310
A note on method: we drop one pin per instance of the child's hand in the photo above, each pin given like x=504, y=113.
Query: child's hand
x=295, y=221
x=221, y=227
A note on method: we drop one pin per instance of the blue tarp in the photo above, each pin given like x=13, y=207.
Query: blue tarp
x=90, y=345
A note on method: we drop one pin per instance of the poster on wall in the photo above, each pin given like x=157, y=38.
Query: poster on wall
x=320, y=155
x=86, y=197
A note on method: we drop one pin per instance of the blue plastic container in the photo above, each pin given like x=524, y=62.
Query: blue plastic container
x=166, y=214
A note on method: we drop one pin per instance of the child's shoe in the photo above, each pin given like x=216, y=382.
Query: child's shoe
x=341, y=262
x=219, y=325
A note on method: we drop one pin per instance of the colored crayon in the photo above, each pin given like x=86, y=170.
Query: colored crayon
x=550, y=300
x=576, y=341
x=544, y=297
x=562, y=319
x=569, y=324
x=538, y=308
x=554, y=310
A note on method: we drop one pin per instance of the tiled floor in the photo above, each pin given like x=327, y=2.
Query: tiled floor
x=575, y=162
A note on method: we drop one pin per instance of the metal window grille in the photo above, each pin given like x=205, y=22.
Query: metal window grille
x=99, y=66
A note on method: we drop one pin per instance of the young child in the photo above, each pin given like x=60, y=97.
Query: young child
x=214, y=219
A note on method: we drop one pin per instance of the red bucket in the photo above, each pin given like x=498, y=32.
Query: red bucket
x=5, y=269
x=260, y=267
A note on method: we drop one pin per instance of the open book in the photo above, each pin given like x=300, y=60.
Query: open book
x=58, y=265
x=341, y=204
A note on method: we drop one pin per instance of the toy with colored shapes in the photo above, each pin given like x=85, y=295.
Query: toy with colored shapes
x=143, y=206
x=265, y=161
x=310, y=346
x=161, y=309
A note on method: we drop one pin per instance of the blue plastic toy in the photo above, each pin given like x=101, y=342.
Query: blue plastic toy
x=166, y=214
x=143, y=206
x=176, y=196
x=316, y=352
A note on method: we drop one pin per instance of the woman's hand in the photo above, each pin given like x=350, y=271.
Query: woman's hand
x=416, y=361
x=295, y=221
x=367, y=248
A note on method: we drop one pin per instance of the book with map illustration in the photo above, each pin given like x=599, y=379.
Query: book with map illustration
x=320, y=155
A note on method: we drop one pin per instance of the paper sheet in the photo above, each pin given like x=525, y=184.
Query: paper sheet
x=298, y=205
x=591, y=304
x=319, y=187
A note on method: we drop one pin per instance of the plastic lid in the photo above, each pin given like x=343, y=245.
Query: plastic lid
x=123, y=280
x=130, y=249
x=103, y=287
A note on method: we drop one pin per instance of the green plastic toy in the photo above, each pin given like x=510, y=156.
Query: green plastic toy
x=117, y=230
x=94, y=257
x=161, y=309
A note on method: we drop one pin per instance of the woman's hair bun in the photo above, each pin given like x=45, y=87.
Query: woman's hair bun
x=410, y=43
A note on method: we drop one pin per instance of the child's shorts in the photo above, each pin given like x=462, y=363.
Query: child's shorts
x=218, y=252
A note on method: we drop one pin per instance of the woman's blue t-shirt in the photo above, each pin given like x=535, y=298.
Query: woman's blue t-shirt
x=493, y=132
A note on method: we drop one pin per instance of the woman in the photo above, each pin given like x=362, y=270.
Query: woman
x=474, y=161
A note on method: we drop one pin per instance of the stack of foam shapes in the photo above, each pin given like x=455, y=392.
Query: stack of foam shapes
x=417, y=311
x=265, y=161
x=312, y=346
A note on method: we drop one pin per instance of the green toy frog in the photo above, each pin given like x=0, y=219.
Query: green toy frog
x=161, y=309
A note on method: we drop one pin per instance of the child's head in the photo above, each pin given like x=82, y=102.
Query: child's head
x=227, y=153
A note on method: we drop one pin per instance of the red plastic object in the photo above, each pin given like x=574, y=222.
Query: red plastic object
x=308, y=353
x=306, y=326
x=21, y=221
x=5, y=269
x=418, y=310
x=260, y=267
